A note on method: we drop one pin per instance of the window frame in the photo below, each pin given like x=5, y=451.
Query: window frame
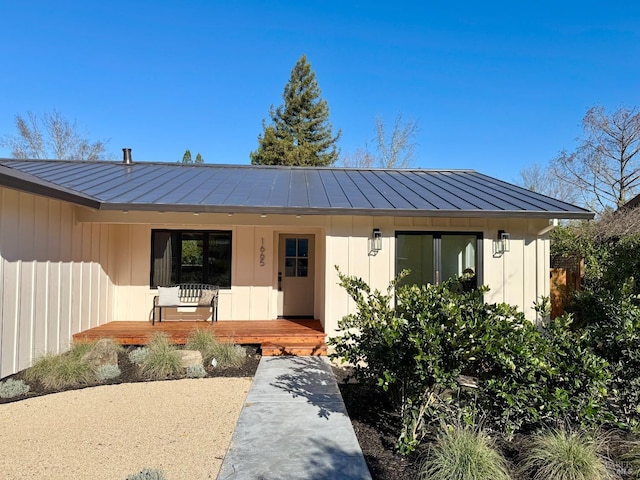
x=437, y=251
x=205, y=250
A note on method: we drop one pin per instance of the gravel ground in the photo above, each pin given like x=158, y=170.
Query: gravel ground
x=182, y=427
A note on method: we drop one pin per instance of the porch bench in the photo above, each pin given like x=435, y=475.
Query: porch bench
x=186, y=295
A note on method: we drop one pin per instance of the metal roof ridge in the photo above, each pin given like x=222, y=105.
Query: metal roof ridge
x=232, y=165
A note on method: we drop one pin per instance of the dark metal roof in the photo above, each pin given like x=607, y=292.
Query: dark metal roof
x=290, y=190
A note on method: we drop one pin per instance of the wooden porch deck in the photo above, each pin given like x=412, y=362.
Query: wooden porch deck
x=275, y=337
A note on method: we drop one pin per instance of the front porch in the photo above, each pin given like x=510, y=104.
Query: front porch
x=275, y=337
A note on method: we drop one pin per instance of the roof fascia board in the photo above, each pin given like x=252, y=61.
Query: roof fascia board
x=24, y=182
x=347, y=211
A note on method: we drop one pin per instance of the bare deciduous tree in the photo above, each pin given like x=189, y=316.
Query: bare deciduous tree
x=392, y=151
x=540, y=179
x=51, y=135
x=605, y=166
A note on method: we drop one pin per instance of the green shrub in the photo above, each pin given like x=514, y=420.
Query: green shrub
x=196, y=371
x=162, y=361
x=616, y=338
x=607, y=310
x=419, y=350
x=147, y=474
x=464, y=454
x=13, y=388
x=580, y=384
x=138, y=355
x=56, y=371
x=227, y=354
x=107, y=372
x=562, y=454
x=205, y=341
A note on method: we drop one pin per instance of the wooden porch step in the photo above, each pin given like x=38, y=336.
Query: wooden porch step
x=299, y=348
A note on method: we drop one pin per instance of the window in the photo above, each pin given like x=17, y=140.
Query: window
x=435, y=257
x=296, y=257
x=190, y=256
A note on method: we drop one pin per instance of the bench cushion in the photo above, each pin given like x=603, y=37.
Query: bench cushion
x=168, y=296
x=206, y=297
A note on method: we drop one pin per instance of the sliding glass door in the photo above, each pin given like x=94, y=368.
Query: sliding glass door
x=435, y=257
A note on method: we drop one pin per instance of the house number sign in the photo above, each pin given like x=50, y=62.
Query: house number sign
x=262, y=250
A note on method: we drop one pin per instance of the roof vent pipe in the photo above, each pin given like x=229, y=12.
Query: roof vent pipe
x=126, y=156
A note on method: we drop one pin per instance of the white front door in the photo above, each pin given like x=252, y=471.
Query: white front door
x=296, y=272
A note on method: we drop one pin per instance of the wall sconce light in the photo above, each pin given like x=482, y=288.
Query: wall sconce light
x=503, y=243
x=376, y=242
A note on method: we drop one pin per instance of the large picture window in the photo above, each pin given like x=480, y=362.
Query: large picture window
x=436, y=257
x=190, y=256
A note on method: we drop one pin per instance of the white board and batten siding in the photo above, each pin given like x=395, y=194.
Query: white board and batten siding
x=54, y=278
x=518, y=277
x=64, y=269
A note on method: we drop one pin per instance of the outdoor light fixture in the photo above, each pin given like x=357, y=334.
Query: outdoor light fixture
x=502, y=243
x=376, y=241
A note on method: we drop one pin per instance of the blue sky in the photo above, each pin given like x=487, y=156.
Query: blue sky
x=494, y=86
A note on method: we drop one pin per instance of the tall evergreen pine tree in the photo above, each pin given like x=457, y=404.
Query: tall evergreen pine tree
x=300, y=132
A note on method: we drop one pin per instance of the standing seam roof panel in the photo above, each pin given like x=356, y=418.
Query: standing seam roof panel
x=335, y=194
x=317, y=193
x=114, y=186
x=504, y=200
x=198, y=186
x=384, y=187
x=243, y=188
x=338, y=190
x=394, y=179
x=467, y=197
x=71, y=175
x=261, y=191
x=221, y=188
x=371, y=193
x=281, y=189
x=459, y=197
x=298, y=196
x=354, y=195
x=532, y=198
x=171, y=185
x=440, y=198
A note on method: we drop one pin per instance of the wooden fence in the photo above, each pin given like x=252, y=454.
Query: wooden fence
x=565, y=277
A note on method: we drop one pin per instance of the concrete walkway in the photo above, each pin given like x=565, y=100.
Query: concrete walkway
x=294, y=426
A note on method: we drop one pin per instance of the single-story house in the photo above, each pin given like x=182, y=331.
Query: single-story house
x=86, y=243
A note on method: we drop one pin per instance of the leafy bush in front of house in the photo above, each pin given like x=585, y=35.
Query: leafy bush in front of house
x=419, y=351
x=606, y=310
x=580, y=384
x=196, y=371
x=616, y=338
x=12, y=388
x=463, y=453
x=148, y=474
x=107, y=372
x=56, y=371
x=162, y=361
x=564, y=454
x=138, y=355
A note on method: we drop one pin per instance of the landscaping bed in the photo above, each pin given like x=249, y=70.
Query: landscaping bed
x=130, y=373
